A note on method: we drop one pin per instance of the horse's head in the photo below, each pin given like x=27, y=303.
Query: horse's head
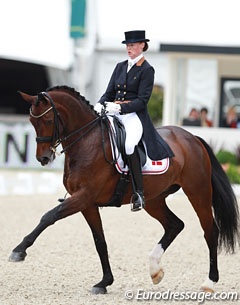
x=44, y=118
x=60, y=116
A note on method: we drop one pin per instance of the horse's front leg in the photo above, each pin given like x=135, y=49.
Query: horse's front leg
x=68, y=207
x=93, y=219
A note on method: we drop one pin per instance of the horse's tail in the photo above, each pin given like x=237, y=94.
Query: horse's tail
x=224, y=203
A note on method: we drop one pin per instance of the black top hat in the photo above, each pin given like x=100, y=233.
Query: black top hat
x=134, y=36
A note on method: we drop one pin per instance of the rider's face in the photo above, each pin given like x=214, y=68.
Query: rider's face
x=135, y=49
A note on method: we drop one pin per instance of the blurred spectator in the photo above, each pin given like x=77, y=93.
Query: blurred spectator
x=204, y=118
x=231, y=120
x=193, y=118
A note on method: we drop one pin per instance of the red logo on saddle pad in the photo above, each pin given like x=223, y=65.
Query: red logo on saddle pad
x=157, y=163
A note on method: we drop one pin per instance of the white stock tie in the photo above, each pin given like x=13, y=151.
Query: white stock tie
x=130, y=64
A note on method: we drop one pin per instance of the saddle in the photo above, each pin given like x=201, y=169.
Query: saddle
x=117, y=134
x=120, y=138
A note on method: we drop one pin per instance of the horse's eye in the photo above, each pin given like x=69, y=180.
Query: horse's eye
x=49, y=122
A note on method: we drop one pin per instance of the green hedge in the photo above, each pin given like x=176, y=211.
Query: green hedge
x=225, y=156
x=233, y=174
x=233, y=168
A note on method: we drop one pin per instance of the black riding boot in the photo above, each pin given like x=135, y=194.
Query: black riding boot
x=134, y=164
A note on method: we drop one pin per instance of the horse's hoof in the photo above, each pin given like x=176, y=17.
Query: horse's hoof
x=207, y=286
x=206, y=289
x=17, y=256
x=157, y=277
x=99, y=290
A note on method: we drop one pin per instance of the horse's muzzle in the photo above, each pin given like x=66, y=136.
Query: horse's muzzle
x=43, y=160
x=46, y=158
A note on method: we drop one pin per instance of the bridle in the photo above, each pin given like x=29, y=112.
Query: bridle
x=40, y=115
x=55, y=139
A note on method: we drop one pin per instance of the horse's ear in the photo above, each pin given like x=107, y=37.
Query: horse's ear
x=28, y=98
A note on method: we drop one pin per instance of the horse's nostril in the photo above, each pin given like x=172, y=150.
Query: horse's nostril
x=43, y=160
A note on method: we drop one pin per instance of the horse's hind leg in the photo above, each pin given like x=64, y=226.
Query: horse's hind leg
x=172, y=225
x=201, y=202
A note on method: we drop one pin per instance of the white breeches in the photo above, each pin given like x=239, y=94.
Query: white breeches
x=134, y=130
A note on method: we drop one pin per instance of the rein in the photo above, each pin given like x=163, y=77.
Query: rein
x=91, y=124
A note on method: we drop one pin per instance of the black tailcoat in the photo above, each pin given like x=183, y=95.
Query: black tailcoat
x=136, y=86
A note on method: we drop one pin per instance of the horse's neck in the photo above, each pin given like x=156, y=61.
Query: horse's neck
x=86, y=157
x=78, y=114
x=80, y=127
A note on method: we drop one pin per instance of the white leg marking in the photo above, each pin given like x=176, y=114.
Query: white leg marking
x=155, y=267
x=207, y=286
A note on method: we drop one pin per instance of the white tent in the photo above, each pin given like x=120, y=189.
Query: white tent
x=200, y=22
x=36, y=32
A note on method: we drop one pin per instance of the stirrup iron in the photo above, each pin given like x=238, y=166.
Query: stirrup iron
x=137, y=202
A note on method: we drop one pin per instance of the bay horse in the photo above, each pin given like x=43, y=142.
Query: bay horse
x=62, y=116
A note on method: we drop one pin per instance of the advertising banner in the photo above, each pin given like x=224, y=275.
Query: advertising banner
x=18, y=148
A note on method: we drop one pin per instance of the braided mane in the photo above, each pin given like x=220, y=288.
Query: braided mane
x=71, y=91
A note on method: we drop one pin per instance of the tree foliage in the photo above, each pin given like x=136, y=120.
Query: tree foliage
x=155, y=105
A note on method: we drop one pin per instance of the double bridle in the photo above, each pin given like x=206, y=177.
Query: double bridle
x=55, y=139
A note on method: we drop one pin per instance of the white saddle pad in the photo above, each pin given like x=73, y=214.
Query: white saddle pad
x=151, y=167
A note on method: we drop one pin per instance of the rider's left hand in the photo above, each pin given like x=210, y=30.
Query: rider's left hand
x=112, y=108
